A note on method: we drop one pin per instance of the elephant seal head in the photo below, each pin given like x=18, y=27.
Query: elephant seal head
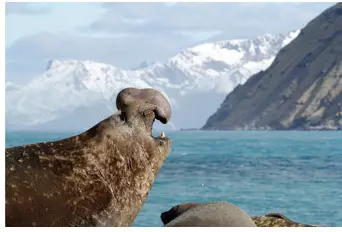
x=211, y=214
x=100, y=177
x=176, y=211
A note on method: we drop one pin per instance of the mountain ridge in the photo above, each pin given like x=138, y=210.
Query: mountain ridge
x=301, y=90
x=207, y=71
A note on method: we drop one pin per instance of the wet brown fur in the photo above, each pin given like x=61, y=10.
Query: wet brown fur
x=98, y=178
x=277, y=220
x=281, y=216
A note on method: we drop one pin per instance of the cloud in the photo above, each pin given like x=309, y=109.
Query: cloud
x=170, y=4
x=26, y=8
x=125, y=52
x=232, y=19
x=126, y=34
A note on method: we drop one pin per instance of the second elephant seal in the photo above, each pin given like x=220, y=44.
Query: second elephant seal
x=212, y=214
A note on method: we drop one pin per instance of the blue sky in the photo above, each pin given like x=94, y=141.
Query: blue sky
x=126, y=34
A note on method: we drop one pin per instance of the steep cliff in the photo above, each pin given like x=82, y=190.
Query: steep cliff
x=301, y=90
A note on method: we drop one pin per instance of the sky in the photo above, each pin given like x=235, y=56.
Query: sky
x=126, y=34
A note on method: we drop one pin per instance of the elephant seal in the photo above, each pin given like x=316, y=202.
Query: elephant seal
x=212, y=214
x=277, y=220
x=175, y=211
x=98, y=178
x=281, y=216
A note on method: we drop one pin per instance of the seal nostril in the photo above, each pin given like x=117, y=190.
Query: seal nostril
x=161, y=119
x=123, y=117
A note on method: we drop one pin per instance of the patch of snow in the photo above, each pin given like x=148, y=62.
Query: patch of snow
x=210, y=69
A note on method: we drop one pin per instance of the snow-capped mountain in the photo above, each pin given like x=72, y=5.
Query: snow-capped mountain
x=80, y=93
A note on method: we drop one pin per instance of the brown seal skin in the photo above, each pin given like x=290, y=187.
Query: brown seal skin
x=277, y=220
x=98, y=178
x=212, y=214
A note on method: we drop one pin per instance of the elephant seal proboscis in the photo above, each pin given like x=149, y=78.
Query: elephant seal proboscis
x=98, y=178
x=212, y=214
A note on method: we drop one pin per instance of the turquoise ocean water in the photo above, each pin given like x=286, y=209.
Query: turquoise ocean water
x=298, y=174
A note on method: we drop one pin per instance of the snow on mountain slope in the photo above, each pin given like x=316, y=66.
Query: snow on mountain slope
x=207, y=71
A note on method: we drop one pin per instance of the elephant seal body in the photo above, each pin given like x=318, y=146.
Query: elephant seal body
x=277, y=220
x=212, y=214
x=98, y=178
x=281, y=216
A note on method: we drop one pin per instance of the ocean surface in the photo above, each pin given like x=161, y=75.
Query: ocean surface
x=298, y=174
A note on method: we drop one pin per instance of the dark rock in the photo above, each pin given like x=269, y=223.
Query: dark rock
x=301, y=90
